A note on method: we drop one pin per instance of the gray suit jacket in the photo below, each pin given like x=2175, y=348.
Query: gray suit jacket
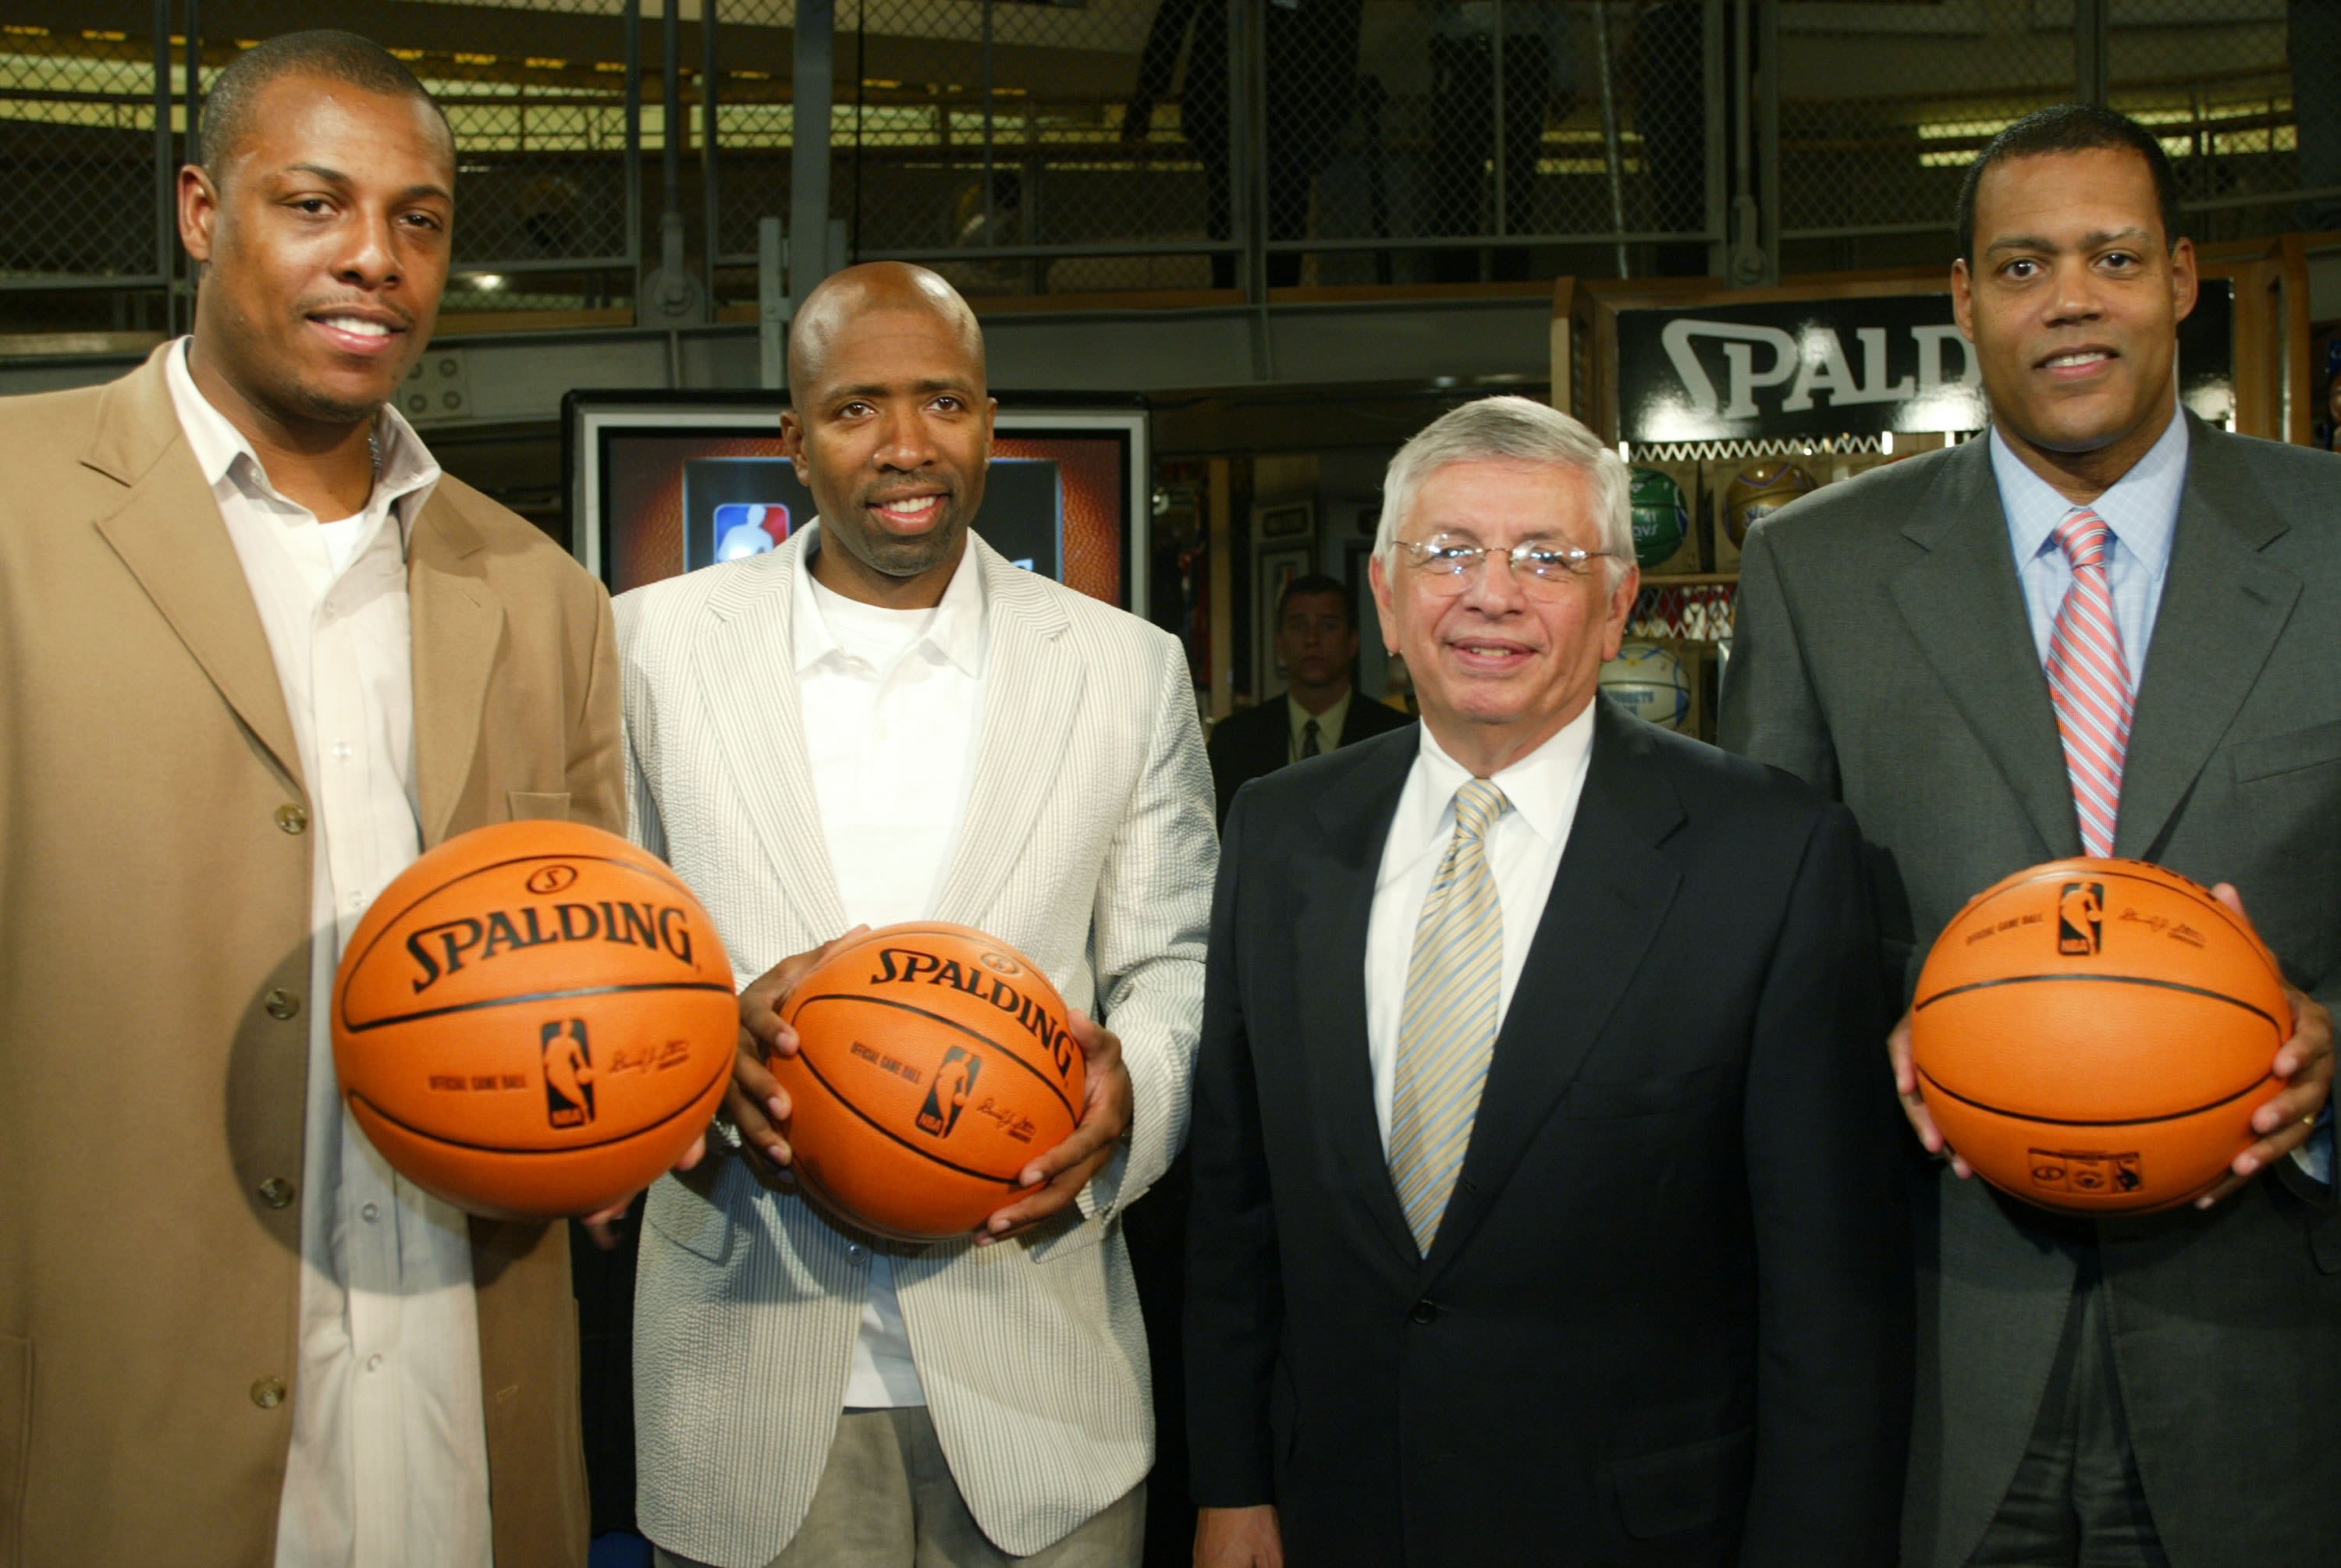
x=1883, y=653
x=1086, y=842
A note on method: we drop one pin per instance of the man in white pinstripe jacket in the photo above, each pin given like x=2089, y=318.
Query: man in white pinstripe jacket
x=880, y=720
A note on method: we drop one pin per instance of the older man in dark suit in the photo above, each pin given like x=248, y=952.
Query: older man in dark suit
x=1543, y=1205
x=2134, y=1392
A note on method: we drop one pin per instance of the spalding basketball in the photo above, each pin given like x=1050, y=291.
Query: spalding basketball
x=1648, y=678
x=1661, y=517
x=534, y=1019
x=1760, y=489
x=2093, y=1036
x=933, y=1064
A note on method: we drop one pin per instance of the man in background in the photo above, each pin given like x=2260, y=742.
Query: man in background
x=1309, y=70
x=1317, y=643
x=256, y=652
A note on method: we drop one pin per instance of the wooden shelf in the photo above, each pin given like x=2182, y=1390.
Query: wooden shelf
x=1693, y=580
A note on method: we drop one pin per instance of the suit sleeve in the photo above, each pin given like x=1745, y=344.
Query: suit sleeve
x=597, y=769
x=1235, y=1294
x=1147, y=930
x=1825, y=1173
x=1770, y=710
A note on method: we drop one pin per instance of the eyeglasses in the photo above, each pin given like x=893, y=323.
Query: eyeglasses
x=1543, y=571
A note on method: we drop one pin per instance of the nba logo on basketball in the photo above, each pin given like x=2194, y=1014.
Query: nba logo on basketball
x=2080, y=918
x=947, y=1095
x=568, y=1073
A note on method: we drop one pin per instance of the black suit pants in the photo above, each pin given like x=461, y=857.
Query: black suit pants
x=2077, y=1501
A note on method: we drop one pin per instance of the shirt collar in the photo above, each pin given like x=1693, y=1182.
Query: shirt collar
x=956, y=630
x=1539, y=786
x=224, y=454
x=2141, y=508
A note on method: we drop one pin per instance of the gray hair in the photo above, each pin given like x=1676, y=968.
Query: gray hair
x=1511, y=429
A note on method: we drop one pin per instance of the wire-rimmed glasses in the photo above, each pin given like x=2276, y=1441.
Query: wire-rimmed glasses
x=1544, y=569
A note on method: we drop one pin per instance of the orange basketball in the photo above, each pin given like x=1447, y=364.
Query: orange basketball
x=2093, y=1036
x=933, y=1063
x=533, y=1020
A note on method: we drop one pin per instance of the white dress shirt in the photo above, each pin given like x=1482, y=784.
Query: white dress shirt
x=388, y=1464
x=893, y=706
x=1540, y=792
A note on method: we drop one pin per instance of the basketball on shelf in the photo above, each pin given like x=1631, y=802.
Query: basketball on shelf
x=1760, y=489
x=2093, y=1036
x=934, y=1063
x=534, y=1019
x=1661, y=517
x=1649, y=679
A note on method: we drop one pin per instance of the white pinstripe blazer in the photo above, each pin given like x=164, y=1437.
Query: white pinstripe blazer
x=1087, y=843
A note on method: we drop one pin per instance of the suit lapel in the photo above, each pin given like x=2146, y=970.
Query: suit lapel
x=745, y=660
x=1964, y=609
x=168, y=532
x=1611, y=891
x=1032, y=689
x=2223, y=608
x=458, y=622
x=1336, y=888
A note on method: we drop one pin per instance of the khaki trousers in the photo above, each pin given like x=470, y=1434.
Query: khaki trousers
x=886, y=1500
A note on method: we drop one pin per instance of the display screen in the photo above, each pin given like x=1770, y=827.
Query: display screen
x=662, y=484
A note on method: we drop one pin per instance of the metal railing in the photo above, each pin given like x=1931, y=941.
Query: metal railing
x=621, y=152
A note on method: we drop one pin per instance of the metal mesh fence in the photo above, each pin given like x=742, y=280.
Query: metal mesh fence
x=535, y=91
x=1080, y=145
x=77, y=145
x=2246, y=96
x=1882, y=107
x=1467, y=124
x=755, y=119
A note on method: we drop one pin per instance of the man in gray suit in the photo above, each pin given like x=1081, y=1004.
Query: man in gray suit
x=884, y=720
x=2150, y=1391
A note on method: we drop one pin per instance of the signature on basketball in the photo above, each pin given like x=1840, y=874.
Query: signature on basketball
x=1009, y=1123
x=2177, y=930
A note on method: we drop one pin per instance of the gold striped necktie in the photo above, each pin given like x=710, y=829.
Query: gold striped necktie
x=1446, y=1030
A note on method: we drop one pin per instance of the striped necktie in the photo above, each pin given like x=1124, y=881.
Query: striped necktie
x=2089, y=681
x=1446, y=1030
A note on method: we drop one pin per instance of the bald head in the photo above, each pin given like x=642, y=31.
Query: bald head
x=844, y=301
x=890, y=426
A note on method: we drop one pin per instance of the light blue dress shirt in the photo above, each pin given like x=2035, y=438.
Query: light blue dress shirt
x=2141, y=509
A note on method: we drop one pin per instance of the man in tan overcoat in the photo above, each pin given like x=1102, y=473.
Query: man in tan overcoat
x=256, y=653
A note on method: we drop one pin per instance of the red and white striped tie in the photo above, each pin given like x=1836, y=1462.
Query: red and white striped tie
x=2089, y=681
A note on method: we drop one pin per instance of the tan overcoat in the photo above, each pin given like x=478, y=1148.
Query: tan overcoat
x=155, y=888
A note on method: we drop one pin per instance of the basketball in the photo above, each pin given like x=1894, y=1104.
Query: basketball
x=1760, y=489
x=533, y=1020
x=1649, y=679
x=2093, y=1036
x=1661, y=517
x=933, y=1064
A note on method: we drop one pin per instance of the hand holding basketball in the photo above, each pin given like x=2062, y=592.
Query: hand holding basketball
x=1914, y=1099
x=2305, y=1063
x=1056, y=1178
x=756, y=1103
